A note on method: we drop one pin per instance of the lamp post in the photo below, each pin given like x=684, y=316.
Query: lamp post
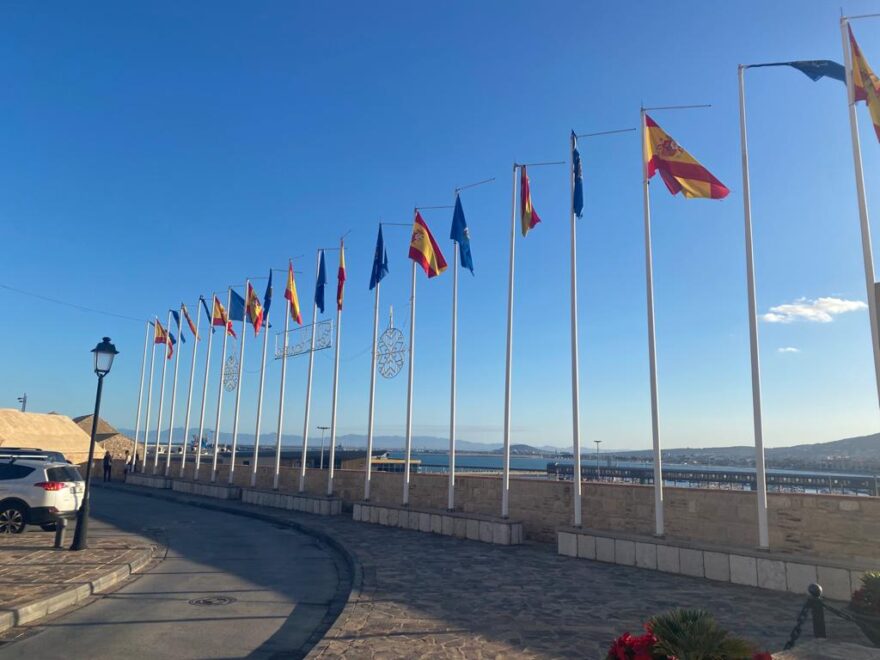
x=104, y=354
x=322, y=429
x=598, y=442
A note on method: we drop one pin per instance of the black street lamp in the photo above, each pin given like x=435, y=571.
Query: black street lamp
x=104, y=354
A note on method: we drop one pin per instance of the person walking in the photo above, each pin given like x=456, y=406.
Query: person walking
x=108, y=465
x=126, y=467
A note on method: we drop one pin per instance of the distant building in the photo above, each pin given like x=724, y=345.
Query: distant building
x=106, y=437
x=50, y=432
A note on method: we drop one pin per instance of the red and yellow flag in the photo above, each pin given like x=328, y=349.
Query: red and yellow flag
x=189, y=321
x=161, y=336
x=679, y=170
x=254, y=309
x=218, y=317
x=290, y=294
x=423, y=249
x=340, y=277
x=528, y=215
x=866, y=87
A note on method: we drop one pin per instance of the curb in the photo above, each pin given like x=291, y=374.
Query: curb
x=340, y=608
x=35, y=610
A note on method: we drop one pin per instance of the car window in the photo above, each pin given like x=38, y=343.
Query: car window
x=63, y=474
x=11, y=471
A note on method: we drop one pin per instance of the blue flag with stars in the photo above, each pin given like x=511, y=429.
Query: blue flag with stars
x=577, y=200
x=321, y=283
x=176, y=316
x=380, y=261
x=460, y=235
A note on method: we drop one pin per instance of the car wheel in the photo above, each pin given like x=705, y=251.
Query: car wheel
x=48, y=527
x=11, y=519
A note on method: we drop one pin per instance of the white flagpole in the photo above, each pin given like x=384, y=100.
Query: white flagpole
x=192, y=375
x=137, y=427
x=409, y=386
x=174, y=394
x=505, y=479
x=281, y=395
x=205, y=392
x=867, y=254
x=305, y=445
x=244, y=320
x=368, y=464
x=220, y=389
x=760, y=470
x=332, y=465
x=575, y=383
x=260, y=402
x=450, y=500
x=652, y=356
x=161, y=400
x=149, y=407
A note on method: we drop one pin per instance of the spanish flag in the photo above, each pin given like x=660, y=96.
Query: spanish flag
x=528, y=215
x=866, y=87
x=219, y=317
x=254, y=309
x=290, y=294
x=679, y=170
x=161, y=336
x=189, y=321
x=423, y=249
x=340, y=277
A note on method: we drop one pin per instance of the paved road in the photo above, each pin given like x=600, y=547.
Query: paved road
x=280, y=585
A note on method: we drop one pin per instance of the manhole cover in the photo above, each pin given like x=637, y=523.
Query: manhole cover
x=212, y=601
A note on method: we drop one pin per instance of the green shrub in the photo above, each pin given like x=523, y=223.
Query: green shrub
x=693, y=634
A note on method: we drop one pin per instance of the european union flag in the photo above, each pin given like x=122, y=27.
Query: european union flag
x=577, y=201
x=236, y=307
x=267, y=298
x=207, y=312
x=814, y=69
x=321, y=283
x=380, y=261
x=460, y=235
x=176, y=316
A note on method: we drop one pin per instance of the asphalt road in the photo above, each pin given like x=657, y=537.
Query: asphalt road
x=228, y=587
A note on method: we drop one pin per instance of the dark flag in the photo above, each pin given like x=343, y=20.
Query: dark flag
x=380, y=261
x=577, y=202
x=321, y=283
x=236, y=307
x=813, y=69
x=207, y=311
x=176, y=316
x=461, y=235
x=267, y=298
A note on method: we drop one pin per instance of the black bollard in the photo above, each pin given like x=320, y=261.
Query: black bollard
x=817, y=610
x=60, y=531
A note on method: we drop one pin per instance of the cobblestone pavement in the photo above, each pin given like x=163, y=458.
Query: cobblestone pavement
x=429, y=596
x=31, y=568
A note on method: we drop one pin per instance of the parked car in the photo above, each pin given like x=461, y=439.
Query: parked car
x=37, y=491
x=29, y=452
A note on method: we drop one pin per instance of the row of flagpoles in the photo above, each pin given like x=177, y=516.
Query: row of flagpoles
x=662, y=155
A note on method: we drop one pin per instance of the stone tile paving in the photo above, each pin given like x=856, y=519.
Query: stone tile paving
x=31, y=568
x=431, y=596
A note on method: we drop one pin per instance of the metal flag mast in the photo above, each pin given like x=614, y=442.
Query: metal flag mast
x=192, y=376
x=305, y=444
x=161, y=396
x=205, y=390
x=244, y=320
x=174, y=390
x=220, y=385
x=864, y=222
x=409, y=386
x=332, y=465
x=149, y=405
x=450, y=500
x=256, y=458
x=276, y=477
x=137, y=424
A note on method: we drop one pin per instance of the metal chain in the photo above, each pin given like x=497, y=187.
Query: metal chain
x=796, y=631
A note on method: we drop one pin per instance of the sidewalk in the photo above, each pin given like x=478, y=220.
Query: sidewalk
x=37, y=580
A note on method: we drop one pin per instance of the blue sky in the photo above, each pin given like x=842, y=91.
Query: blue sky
x=156, y=151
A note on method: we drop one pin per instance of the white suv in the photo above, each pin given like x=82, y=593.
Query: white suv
x=36, y=491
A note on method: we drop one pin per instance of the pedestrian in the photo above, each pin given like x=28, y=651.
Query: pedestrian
x=134, y=463
x=127, y=465
x=108, y=465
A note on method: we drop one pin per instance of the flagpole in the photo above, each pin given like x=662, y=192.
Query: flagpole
x=369, y=459
x=161, y=396
x=305, y=445
x=174, y=392
x=244, y=320
x=575, y=381
x=281, y=397
x=867, y=254
x=137, y=424
x=409, y=386
x=332, y=465
x=204, y=394
x=760, y=470
x=505, y=479
x=260, y=401
x=220, y=386
x=450, y=503
x=149, y=406
x=192, y=376
x=652, y=356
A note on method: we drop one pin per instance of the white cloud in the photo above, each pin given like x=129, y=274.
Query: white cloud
x=788, y=349
x=820, y=310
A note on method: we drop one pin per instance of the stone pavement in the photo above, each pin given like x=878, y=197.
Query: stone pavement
x=428, y=596
x=31, y=569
